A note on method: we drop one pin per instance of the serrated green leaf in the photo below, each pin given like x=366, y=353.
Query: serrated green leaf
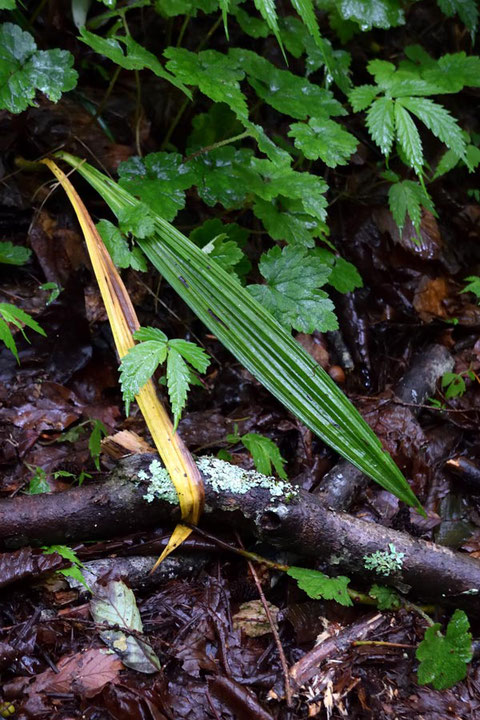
x=214, y=73
x=473, y=285
x=409, y=138
x=137, y=221
x=132, y=56
x=7, y=4
x=253, y=26
x=443, y=659
x=292, y=292
x=172, y=8
x=11, y=254
x=138, y=366
x=381, y=123
x=467, y=11
x=325, y=139
x=305, y=9
x=74, y=571
x=318, y=585
x=372, y=13
x=211, y=229
x=159, y=179
x=225, y=176
x=408, y=197
x=225, y=252
x=438, y=120
x=446, y=163
x=121, y=253
x=17, y=317
x=192, y=353
x=65, y=551
x=95, y=441
x=362, y=96
x=268, y=11
x=265, y=453
x=38, y=483
x=287, y=220
x=309, y=189
x=259, y=343
x=288, y=93
x=149, y=333
x=387, y=599
x=344, y=276
x=24, y=70
x=178, y=382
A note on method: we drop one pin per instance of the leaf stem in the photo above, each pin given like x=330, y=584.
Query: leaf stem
x=218, y=144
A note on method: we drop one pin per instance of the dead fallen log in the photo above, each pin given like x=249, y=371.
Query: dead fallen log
x=342, y=483
x=271, y=510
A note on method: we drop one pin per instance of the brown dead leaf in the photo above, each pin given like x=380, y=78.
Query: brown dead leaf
x=430, y=297
x=252, y=618
x=85, y=673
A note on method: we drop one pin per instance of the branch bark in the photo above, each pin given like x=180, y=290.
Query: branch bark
x=273, y=511
x=342, y=483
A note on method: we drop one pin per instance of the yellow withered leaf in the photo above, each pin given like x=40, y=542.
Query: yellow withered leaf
x=123, y=321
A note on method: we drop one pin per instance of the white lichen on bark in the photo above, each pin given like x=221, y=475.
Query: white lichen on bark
x=220, y=475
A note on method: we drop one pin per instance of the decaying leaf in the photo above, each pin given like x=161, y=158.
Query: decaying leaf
x=115, y=605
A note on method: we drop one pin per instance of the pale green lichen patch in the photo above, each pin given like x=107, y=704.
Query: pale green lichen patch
x=160, y=484
x=224, y=477
x=385, y=563
x=220, y=475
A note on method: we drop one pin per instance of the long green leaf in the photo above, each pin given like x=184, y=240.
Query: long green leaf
x=259, y=342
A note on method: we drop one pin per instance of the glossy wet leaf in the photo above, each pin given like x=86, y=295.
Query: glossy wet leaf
x=407, y=197
x=11, y=254
x=159, y=179
x=288, y=93
x=265, y=454
x=318, y=585
x=324, y=139
x=214, y=73
x=119, y=249
x=444, y=658
x=24, y=70
x=381, y=123
x=10, y=314
x=291, y=293
x=467, y=11
x=372, y=13
x=128, y=54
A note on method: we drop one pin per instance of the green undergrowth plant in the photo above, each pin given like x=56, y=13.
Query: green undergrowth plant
x=443, y=658
x=265, y=453
x=253, y=335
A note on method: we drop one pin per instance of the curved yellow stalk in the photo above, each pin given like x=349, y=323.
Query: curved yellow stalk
x=123, y=321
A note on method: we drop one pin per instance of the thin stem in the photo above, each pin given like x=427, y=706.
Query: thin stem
x=182, y=30
x=273, y=627
x=108, y=92
x=174, y=123
x=218, y=144
x=138, y=113
x=209, y=34
x=382, y=643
